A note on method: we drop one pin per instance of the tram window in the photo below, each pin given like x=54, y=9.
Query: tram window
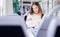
x=15, y=6
x=11, y=31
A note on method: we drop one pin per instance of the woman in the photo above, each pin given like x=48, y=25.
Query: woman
x=34, y=16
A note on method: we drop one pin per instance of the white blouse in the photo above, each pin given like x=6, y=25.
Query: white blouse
x=33, y=20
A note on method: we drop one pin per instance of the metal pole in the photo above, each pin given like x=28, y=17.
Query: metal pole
x=21, y=7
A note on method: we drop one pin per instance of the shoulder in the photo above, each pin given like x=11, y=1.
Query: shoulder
x=29, y=14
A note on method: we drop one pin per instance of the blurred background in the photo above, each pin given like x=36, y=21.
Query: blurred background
x=13, y=6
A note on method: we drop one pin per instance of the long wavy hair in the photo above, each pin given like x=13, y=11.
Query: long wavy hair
x=39, y=9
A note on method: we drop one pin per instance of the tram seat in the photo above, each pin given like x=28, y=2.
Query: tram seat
x=12, y=26
x=44, y=24
x=54, y=28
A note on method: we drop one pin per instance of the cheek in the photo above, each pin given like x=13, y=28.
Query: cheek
x=35, y=10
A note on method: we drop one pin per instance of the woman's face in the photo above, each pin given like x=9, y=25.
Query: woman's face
x=35, y=9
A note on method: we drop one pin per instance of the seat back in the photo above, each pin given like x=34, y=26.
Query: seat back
x=54, y=28
x=12, y=26
x=44, y=24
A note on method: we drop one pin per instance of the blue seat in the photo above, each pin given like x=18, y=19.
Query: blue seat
x=12, y=26
x=54, y=28
x=44, y=24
